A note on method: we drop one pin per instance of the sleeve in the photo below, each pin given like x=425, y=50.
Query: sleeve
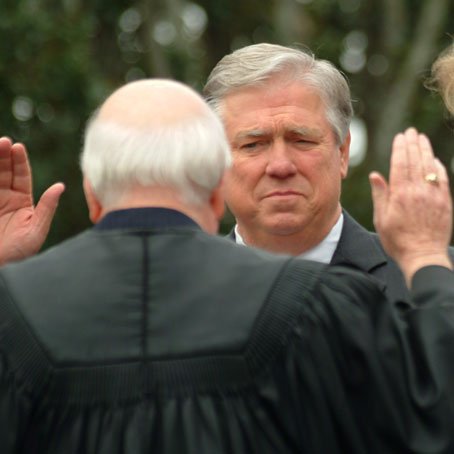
x=386, y=369
x=433, y=285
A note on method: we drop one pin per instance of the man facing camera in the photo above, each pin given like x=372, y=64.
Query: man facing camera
x=287, y=117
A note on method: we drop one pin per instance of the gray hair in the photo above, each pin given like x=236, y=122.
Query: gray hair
x=190, y=157
x=256, y=64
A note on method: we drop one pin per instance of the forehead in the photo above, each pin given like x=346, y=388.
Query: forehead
x=294, y=103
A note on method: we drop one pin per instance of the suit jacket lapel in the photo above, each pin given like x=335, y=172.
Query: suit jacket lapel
x=358, y=248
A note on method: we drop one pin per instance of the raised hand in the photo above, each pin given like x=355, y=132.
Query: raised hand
x=413, y=213
x=23, y=227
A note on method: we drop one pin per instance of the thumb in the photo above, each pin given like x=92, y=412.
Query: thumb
x=379, y=189
x=46, y=207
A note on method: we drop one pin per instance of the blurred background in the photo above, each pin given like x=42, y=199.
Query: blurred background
x=60, y=59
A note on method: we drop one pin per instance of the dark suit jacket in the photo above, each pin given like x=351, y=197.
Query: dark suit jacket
x=360, y=249
x=145, y=334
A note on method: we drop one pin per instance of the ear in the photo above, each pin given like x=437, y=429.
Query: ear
x=94, y=206
x=217, y=202
x=344, y=150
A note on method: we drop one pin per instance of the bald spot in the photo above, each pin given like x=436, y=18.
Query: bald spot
x=149, y=102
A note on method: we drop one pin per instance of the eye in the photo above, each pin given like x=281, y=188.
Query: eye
x=251, y=145
x=306, y=141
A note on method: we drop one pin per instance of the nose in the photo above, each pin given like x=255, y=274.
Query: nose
x=280, y=163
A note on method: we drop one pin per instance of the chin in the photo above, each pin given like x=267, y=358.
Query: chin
x=286, y=226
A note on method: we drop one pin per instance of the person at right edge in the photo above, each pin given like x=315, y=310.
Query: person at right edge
x=149, y=334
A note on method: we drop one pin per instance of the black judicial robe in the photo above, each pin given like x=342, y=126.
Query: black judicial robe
x=146, y=335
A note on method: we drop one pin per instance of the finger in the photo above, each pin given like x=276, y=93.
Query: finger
x=445, y=190
x=427, y=156
x=380, y=191
x=441, y=171
x=21, y=171
x=398, y=166
x=46, y=207
x=5, y=146
x=414, y=163
x=5, y=163
x=443, y=178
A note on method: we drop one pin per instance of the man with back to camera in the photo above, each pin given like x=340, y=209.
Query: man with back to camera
x=287, y=117
x=147, y=333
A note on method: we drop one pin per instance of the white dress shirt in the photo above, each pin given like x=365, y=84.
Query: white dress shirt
x=324, y=250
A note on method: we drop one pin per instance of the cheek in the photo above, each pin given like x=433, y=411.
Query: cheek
x=240, y=183
x=323, y=176
x=243, y=174
x=233, y=183
x=339, y=164
x=330, y=182
x=332, y=167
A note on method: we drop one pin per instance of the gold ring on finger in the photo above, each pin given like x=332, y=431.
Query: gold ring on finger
x=432, y=178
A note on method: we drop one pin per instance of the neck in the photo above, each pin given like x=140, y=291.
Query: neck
x=295, y=243
x=140, y=197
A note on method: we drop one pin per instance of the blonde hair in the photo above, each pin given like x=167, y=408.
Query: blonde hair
x=443, y=77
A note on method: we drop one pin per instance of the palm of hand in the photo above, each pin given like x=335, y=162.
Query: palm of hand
x=23, y=227
x=18, y=234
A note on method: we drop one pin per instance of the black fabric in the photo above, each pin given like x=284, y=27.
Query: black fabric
x=160, y=338
x=145, y=218
x=361, y=250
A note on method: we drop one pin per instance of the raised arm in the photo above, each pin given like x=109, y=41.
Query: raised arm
x=23, y=226
x=413, y=212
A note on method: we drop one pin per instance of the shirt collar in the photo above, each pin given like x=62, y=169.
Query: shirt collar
x=323, y=252
x=145, y=218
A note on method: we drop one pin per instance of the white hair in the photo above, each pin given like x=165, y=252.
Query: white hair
x=189, y=156
x=254, y=65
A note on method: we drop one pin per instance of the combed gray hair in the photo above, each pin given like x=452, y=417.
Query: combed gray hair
x=190, y=156
x=256, y=64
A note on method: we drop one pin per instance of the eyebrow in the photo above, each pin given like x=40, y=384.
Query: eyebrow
x=304, y=131
x=300, y=130
x=252, y=133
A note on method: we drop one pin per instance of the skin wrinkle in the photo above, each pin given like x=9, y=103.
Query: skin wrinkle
x=283, y=145
x=301, y=131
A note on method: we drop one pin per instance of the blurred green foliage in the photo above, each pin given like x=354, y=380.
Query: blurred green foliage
x=58, y=60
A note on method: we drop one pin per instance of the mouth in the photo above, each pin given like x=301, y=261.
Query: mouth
x=282, y=193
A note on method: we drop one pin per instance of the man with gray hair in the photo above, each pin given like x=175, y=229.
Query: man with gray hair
x=147, y=333
x=287, y=117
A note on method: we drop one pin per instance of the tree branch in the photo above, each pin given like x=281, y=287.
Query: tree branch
x=433, y=15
